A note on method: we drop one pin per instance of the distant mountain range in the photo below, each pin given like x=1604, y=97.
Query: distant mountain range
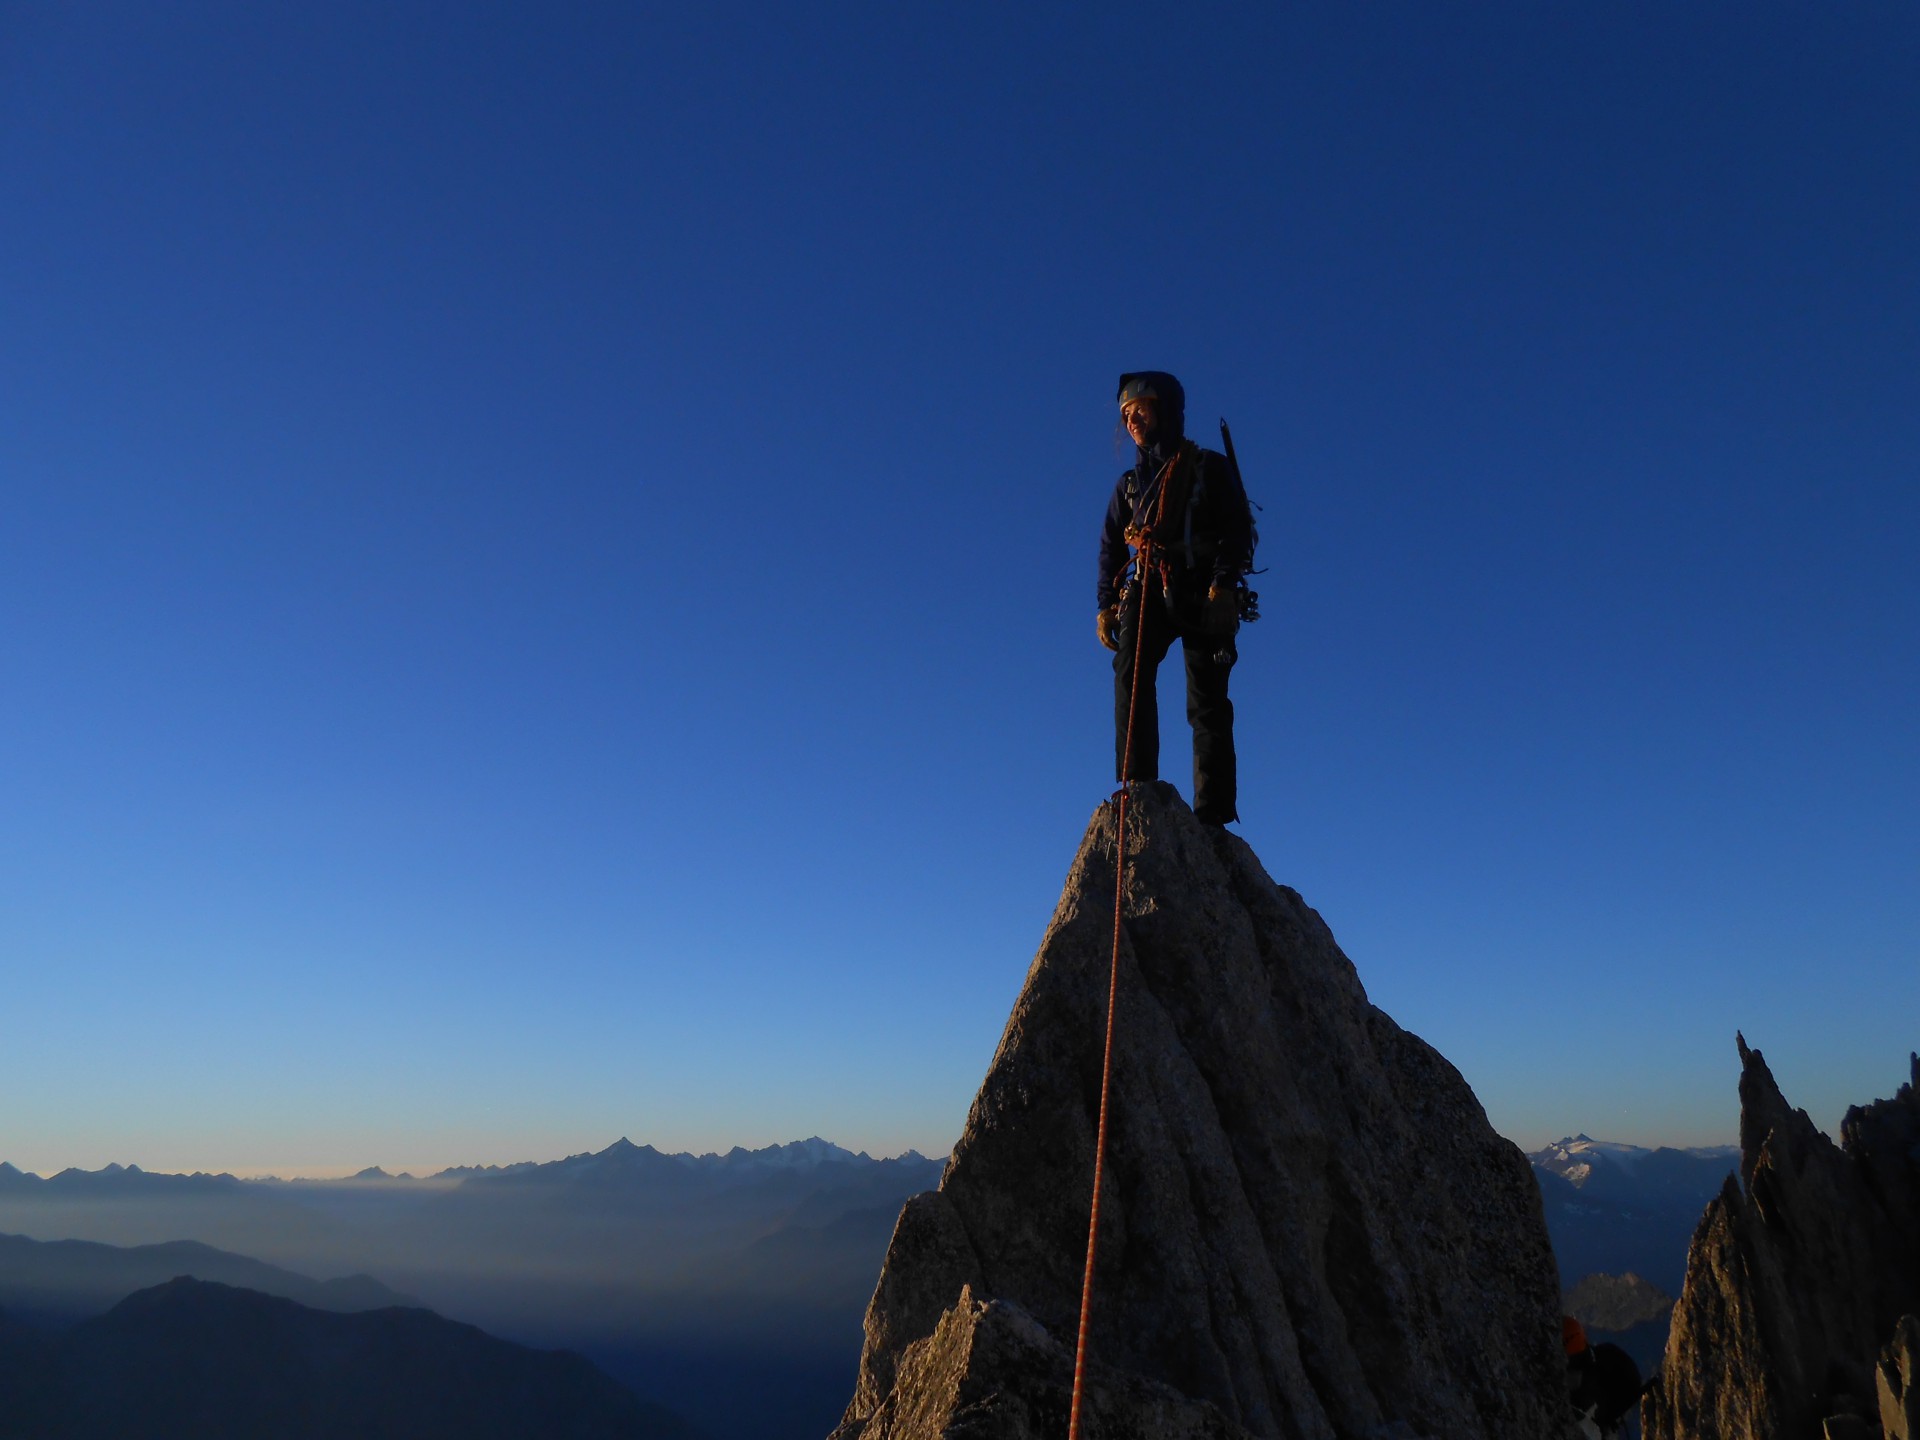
x=1613, y=1208
x=729, y=1286
x=794, y=1155
x=1582, y=1161
x=110, y=1180
x=194, y=1358
x=679, y=1272
x=623, y=1217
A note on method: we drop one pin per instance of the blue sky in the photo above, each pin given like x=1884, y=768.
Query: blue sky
x=547, y=573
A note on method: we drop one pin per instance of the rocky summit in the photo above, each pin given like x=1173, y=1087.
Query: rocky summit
x=1803, y=1280
x=1308, y=1228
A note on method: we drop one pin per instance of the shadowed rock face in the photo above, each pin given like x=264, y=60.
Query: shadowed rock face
x=1795, y=1289
x=1308, y=1228
x=1898, y=1382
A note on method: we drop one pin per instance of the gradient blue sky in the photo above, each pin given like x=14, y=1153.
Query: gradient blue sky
x=546, y=577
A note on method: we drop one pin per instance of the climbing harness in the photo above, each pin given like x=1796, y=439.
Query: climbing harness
x=1144, y=560
x=1175, y=474
x=1187, y=551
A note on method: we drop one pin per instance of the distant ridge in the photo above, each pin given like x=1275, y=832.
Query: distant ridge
x=624, y=1155
x=1575, y=1156
x=793, y=1155
x=1613, y=1207
x=113, y=1179
x=71, y=1279
x=194, y=1358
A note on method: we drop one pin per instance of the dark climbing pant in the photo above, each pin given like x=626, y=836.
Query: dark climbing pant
x=1209, y=660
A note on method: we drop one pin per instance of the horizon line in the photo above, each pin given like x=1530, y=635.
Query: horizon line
x=421, y=1173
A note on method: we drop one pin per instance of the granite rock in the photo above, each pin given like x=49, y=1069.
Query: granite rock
x=1308, y=1227
x=1897, y=1380
x=1797, y=1275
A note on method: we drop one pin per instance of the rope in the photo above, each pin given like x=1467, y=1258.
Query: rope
x=1143, y=562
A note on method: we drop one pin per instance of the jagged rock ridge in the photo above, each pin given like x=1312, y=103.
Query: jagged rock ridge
x=1309, y=1228
x=1790, y=1323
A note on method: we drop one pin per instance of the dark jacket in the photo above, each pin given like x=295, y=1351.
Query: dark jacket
x=1208, y=540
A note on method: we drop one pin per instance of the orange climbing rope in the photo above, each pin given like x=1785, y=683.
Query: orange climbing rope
x=1143, y=560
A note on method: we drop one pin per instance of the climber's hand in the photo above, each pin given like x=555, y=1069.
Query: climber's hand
x=1107, y=626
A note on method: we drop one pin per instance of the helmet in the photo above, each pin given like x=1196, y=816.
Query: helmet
x=1158, y=386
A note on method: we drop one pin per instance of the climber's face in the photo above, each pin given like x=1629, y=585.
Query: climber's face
x=1142, y=418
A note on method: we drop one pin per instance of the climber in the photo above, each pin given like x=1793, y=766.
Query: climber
x=1188, y=506
x=1602, y=1382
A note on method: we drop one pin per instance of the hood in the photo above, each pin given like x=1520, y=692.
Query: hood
x=1159, y=385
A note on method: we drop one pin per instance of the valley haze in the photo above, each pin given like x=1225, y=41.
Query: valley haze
x=677, y=1273
x=669, y=1271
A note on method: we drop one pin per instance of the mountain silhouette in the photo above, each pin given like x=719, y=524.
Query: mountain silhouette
x=193, y=1358
x=66, y=1280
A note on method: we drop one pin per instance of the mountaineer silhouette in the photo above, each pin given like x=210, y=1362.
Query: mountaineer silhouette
x=1309, y=1229
x=1174, y=553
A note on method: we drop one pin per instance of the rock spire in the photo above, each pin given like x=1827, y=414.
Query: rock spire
x=1309, y=1230
x=1790, y=1324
